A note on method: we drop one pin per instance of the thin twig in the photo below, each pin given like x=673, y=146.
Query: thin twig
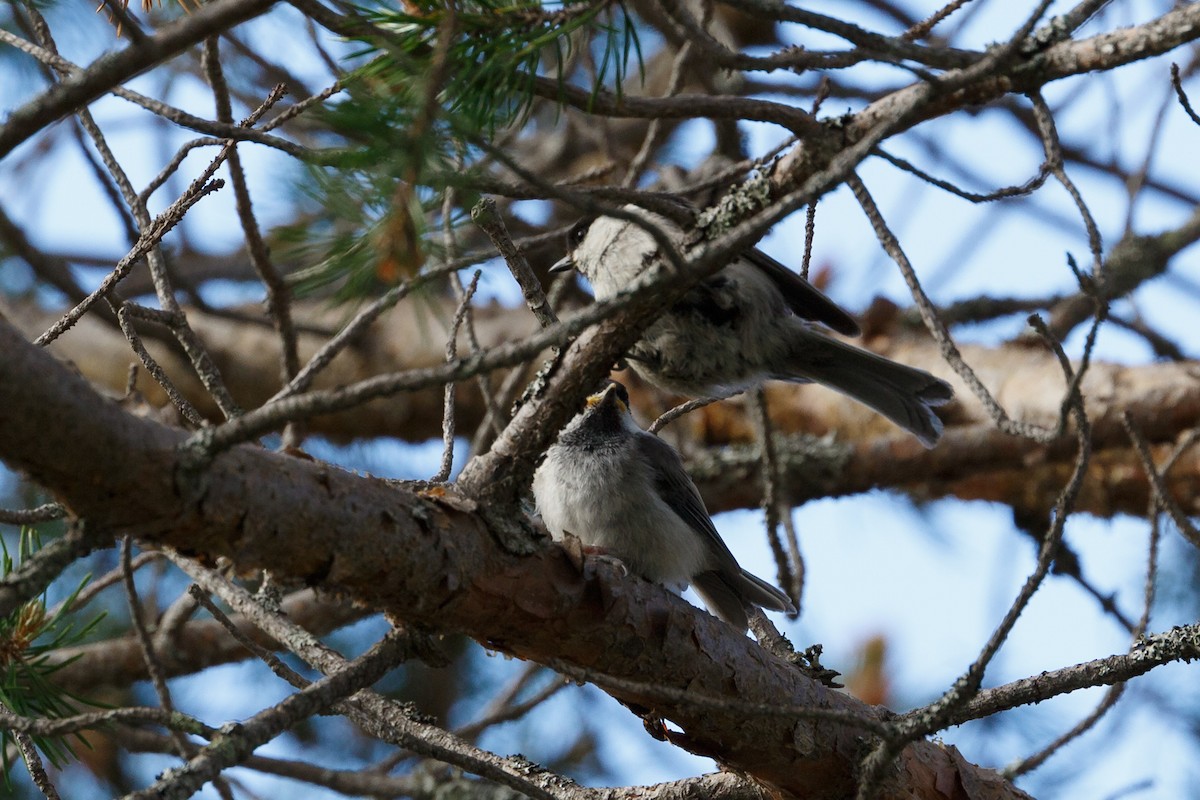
x=450, y=246
x=485, y=215
x=97, y=585
x=299, y=107
x=1183, y=98
x=496, y=417
x=686, y=407
x=810, y=232
x=1115, y=692
x=464, y=308
x=32, y=516
x=937, y=327
x=266, y=656
x=181, y=403
x=33, y=762
x=654, y=131
x=1054, y=158
x=505, y=706
x=922, y=29
x=279, y=293
x=151, y=236
x=1165, y=499
x=1003, y=193
x=149, y=657
x=63, y=726
x=772, y=503
x=356, y=328
x=723, y=703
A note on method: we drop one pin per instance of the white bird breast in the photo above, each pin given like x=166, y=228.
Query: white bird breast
x=607, y=498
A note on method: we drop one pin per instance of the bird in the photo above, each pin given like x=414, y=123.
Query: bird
x=625, y=494
x=751, y=321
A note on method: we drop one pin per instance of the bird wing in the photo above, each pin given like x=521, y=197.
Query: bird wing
x=806, y=300
x=676, y=489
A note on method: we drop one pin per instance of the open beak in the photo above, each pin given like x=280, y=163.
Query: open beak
x=564, y=264
x=610, y=396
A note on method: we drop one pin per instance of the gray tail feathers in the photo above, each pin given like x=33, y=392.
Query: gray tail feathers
x=727, y=595
x=905, y=395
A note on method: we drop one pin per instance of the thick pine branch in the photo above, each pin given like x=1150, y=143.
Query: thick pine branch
x=436, y=561
x=973, y=462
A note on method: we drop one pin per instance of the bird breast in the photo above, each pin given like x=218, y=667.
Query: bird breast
x=607, y=498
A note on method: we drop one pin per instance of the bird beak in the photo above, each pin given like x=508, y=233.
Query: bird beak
x=564, y=264
x=610, y=396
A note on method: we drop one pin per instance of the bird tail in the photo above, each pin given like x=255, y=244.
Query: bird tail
x=905, y=395
x=727, y=595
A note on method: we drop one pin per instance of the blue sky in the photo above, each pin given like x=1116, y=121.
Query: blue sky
x=933, y=580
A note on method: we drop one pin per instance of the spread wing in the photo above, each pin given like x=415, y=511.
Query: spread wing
x=806, y=300
x=676, y=489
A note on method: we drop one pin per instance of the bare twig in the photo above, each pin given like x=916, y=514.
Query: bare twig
x=236, y=742
x=1003, y=193
x=937, y=327
x=97, y=585
x=1165, y=499
x=298, y=108
x=357, y=327
x=63, y=726
x=182, y=747
x=181, y=403
x=485, y=215
x=279, y=294
x=654, y=131
x=32, y=516
x=773, y=505
x=33, y=762
x=923, y=28
x=1054, y=159
x=724, y=703
x=1183, y=98
x=151, y=236
x=505, y=706
x=383, y=718
x=464, y=308
x=686, y=407
x=266, y=656
x=810, y=232
x=1117, y=689
x=115, y=69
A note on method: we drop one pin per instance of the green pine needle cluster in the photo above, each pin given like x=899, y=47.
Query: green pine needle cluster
x=27, y=638
x=488, y=53
x=433, y=87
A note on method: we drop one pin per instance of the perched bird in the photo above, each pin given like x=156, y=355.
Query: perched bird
x=624, y=492
x=749, y=322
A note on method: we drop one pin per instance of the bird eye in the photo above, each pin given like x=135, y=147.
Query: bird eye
x=579, y=231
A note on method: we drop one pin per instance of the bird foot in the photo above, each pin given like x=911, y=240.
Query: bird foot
x=600, y=554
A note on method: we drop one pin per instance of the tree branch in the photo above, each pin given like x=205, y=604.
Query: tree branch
x=433, y=560
x=113, y=69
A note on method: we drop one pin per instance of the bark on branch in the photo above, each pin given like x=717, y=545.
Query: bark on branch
x=432, y=559
x=973, y=462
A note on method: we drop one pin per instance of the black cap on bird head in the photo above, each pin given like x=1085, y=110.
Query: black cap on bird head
x=575, y=237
